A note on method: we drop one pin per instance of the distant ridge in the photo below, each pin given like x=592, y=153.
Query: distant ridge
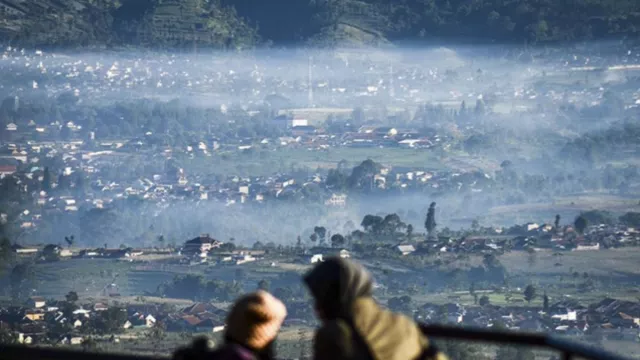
x=231, y=24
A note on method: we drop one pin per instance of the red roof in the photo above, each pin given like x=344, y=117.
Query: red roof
x=191, y=320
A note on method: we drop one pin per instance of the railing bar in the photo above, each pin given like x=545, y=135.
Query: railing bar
x=507, y=337
x=36, y=353
x=568, y=349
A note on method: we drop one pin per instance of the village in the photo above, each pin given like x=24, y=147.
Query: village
x=132, y=223
x=75, y=320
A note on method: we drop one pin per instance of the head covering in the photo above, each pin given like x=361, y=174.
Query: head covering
x=255, y=319
x=336, y=283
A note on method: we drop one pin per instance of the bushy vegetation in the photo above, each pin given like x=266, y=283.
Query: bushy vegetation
x=242, y=23
x=197, y=288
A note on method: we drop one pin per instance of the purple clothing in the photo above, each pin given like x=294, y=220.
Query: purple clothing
x=233, y=352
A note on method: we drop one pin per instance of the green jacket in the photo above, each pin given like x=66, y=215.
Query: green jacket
x=387, y=335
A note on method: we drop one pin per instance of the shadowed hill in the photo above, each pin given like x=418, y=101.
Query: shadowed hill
x=240, y=23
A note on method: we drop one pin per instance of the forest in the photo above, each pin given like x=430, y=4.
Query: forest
x=235, y=24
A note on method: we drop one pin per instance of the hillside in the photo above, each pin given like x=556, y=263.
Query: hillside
x=241, y=23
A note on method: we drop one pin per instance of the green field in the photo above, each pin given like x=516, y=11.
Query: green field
x=260, y=162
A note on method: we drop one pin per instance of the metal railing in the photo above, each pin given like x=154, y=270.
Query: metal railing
x=567, y=349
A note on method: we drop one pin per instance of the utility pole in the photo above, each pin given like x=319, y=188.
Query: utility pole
x=310, y=83
x=392, y=90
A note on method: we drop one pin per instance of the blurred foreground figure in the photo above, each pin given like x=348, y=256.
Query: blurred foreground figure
x=354, y=326
x=252, y=327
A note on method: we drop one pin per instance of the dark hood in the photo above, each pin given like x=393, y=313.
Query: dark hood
x=336, y=283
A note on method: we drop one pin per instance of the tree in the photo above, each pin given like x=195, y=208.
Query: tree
x=372, y=223
x=484, y=300
x=631, y=219
x=479, y=109
x=71, y=296
x=580, y=224
x=321, y=231
x=313, y=237
x=6, y=253
x=20, y=279
x=532, y=257
x=391, y=224
x=161, y=240
x=227, y=247
x=337, y=240
x=46, y=180
x=157, y=332
x=430, y=222
x=51, y=252
x=556, y=223
x=529, y=293
x=545, y=303
x=409, y=231
x=110, y=320
x=69, y=240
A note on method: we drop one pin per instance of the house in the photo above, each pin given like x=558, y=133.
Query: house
x=303, y=130
x=11, y=126
x=405, y=249
x=77, y=323
x=289, y=122
x=34, y=315
x=71, y=340
x=100, y=307
x=25, y=339
x=7, y=169
x=245, y=259
x=201, y=244
x=209, y=325
x=385, y=131
x=65, y=253
x=37, y=302
x=24, y=250
x=316, y=258
x=150, y=321
x=198, y=309
x=337, y=200
x=568, y=316
x=344, y=254
x=587, y=247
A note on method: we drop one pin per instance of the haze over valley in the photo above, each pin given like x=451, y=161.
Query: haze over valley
x=148, y=180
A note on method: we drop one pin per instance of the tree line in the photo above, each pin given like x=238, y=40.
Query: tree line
x=243, y=23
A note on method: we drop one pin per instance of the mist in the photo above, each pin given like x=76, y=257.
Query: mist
x=538, y=107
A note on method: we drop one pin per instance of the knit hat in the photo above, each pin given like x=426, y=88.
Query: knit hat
x=255, y=319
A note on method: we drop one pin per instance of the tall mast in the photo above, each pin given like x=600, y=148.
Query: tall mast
x=310, y=83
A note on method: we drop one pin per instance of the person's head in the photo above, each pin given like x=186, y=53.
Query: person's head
x=335, y=284
x=254, y=321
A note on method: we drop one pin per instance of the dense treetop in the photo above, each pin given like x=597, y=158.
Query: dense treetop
x=243, y=23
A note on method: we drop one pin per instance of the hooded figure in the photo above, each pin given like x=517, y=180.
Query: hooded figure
x=354, y=326
x=252, y=326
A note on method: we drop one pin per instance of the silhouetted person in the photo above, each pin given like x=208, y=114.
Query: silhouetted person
x=354, y=326
x=251, y=330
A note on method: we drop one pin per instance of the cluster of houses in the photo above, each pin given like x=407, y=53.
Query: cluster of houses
x=610, y=318
x=39, y=321
x=85, y=167
x=531, y=237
